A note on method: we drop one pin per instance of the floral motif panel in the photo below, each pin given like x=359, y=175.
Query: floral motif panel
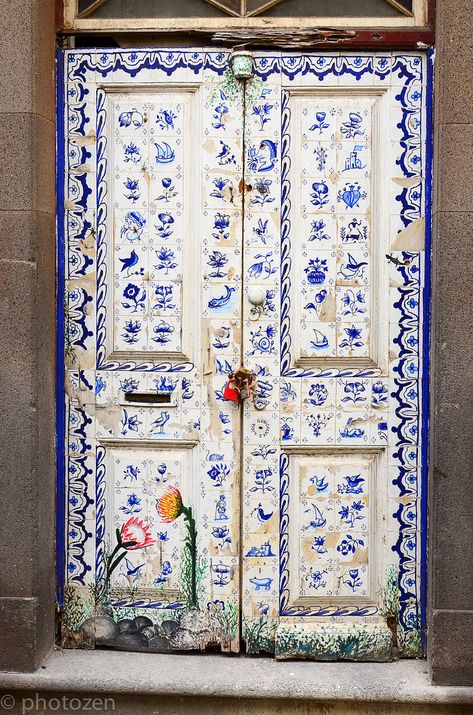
x=153, y=226
x=334, y=174
x=149, y=159
x=332, y=495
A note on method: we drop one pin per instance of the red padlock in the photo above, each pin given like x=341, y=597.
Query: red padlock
x=229, y=392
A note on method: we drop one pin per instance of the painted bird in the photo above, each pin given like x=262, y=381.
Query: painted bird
x=353, y=268
x=133, y=571
x=159, y=423
x=129, y=262
x=260, y=515
x=353, y=484
x=321, y=483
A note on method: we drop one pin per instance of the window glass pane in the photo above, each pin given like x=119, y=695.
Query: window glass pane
x=330, y=8
x=286, y=8
x=153, y=8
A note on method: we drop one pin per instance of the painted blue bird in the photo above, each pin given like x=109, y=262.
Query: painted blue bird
x=159, y=423
x=353, y=268
x=353, y=484
x=129, y=262
x=261, y=516
x=133, y=571
x=321, y=483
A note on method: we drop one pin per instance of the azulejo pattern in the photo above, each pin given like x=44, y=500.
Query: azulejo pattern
x=161, y=252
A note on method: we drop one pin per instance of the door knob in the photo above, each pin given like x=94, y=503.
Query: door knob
x=256, y=295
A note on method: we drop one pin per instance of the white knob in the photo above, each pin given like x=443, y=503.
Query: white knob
x=256, y=295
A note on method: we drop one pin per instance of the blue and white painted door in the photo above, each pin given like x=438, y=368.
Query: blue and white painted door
x=276, y=223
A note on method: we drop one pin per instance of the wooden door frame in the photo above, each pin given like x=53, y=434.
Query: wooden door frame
x=289, y=33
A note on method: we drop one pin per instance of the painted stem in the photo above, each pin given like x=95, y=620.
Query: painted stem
x=191, y=543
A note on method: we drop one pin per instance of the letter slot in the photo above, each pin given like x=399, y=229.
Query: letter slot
x=148, y=399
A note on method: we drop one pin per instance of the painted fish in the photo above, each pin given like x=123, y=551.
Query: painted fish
x=223, y=300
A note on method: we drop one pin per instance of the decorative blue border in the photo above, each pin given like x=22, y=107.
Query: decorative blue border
x=60, y=334
x=425, y=425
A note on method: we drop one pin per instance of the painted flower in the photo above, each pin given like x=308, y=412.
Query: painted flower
x=135, y=534
x=129, y=385
x=169, y=506
x=131, y=291
x=165, y=218
x=222, y=221
x=216, y=606
x=132, y=153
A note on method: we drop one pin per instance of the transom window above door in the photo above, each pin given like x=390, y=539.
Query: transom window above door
x=246, y=8
x=355, y=20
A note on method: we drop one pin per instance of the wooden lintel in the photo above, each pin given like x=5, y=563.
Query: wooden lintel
x=292, y=38
x=280, y=38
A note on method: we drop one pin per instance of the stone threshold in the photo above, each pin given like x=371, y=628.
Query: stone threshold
x=221, y=676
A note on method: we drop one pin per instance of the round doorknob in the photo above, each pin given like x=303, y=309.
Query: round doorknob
x=256, y=295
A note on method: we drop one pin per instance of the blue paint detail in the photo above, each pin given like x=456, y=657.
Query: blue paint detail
x=60, y=365
x=425, y=398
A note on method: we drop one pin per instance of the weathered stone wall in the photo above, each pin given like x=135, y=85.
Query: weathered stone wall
x=27, y=332
x=450, y=633
x=27, y=293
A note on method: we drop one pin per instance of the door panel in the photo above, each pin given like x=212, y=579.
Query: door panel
x=279, y=224
x=340, y=354
x=153, y=297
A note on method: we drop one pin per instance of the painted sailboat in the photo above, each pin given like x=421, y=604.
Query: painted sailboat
x=320, y=340
x=319, y=520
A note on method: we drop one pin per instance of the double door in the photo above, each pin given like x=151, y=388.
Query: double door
x=274, y=223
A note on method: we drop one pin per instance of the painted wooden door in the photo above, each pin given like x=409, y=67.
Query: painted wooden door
x=275, y=223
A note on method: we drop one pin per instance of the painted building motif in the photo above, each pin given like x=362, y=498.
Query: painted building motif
x=296, y=514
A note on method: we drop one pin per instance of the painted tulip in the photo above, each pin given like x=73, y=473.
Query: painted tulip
x=170, y=506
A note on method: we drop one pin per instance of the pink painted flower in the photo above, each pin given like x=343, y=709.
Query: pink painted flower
x=136, y=533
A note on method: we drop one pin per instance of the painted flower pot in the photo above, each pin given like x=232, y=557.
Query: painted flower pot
x=315, y=277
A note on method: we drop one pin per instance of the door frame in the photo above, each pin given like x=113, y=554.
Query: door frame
x=363, y=33
x=60, y=334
